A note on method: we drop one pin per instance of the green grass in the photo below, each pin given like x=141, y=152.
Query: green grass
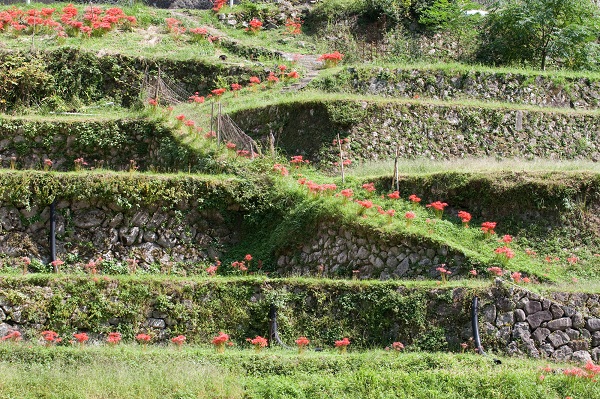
x=427, y=166
x=196, y=372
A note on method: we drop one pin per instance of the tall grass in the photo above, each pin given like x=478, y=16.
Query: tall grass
x=427, y=166
x=130, y=372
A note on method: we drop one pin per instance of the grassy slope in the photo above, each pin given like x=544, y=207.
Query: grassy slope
x=129, y=372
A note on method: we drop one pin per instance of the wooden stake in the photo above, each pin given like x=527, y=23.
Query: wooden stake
x=341, y=158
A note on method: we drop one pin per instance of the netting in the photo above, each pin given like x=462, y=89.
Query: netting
x=165, y=90
x=228, y=131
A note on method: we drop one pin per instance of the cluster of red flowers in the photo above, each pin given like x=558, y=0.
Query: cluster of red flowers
x=331, y=59
x=298, y=160
x=414, y=199
x=505, y=252
x=315, y=188
x=344, y=342
x=370, y=187
x=254, y=26
x=81, y=338
x=258, y=342
x=218, y=4
x=293, y=26
x=178, y=340
x=51, y=337
x=394, y=195
x=113, y=338
x=14, y=336
x=95, y=21
x=281, y=169
x=488, y=228
x=196, y=98
x=465, y=218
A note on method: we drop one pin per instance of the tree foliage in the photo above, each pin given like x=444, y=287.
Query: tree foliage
x=534, y=32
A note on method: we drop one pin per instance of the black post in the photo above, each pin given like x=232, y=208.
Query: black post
x=53, y=231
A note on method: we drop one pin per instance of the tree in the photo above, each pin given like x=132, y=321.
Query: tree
x=534, y=31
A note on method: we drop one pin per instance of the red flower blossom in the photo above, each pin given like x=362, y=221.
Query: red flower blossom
x=230, y=145
x=488, y=228
x=342, y=343
x=410, y=215
x=218, y=92
x=248, y=258
x=302, y=341
x=180, y=117
x=495, y=271
x=414, y=199
x=143, y=338
x=465, y=217
x=258, y=342
x=254, y=80
x=293, y=75
x=178, y=340
x=507, y=239
x=394, y=195
x=81, y=337
x=113, y=338
x=236, y=86
x=370, y=187
x=397, y=346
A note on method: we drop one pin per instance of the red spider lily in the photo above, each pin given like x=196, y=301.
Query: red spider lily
x=394, y=195
x=203, y=32
x=211, y=270
x=236, y=86
x=210, y=135
x=496, y=271
x=517, y=277
x=342, y=344
x=196, y=98
x=380, y=210
x=365, y=204
x=397, y=346
x=178, y=340
x=152, y=102
x=254, y=80
x=281, y=169
x=220, y=341
x=81, y=338
x=443, y=272
x=48, y=163
x=465, y=218
x=218, y=92
x=254, y=26
x=488, y=228
x=410, y=215
x=293, y=75
x=331, y=59
x=56, y=264
x=505, y=253
x=573, y=260
x=51, y=337
x=143, y=338
x=414, y=199
x=293, y=26
x=282, y=68
x=347, y=193
x=297, y=160
x=113, y=338
x=302, y=341
x=230, y=145
x=218, y=4
x=248, y=258
x=272, y=78
x=14, y=336
x=507, y=239
x=258, y=342
x=438, y=208
x=370, y=187
x=180, y=117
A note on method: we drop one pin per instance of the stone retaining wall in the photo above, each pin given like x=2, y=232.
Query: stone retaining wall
x=340, y=250
x=86, y=230
x=523, y=322
x=540, y=90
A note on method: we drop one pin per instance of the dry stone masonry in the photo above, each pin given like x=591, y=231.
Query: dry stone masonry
x=341, y=250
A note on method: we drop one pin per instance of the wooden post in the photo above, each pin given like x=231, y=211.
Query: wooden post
x=272, y=144
x=156, y=92
x=341, y=158
x=219, y=125
x=212, y=117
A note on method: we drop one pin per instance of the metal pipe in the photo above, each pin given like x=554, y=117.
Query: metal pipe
x=475, y=327
x=53, y=231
